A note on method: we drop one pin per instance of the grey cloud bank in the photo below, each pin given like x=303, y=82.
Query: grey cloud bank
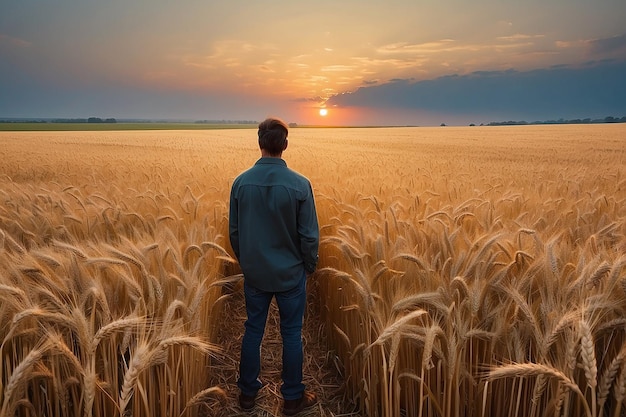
x=594, y=90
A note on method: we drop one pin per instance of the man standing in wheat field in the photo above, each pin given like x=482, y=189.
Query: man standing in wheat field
x=274, y=233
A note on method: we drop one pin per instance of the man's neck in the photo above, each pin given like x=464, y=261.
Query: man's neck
x=266, y=154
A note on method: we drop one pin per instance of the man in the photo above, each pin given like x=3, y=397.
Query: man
x=274, y=233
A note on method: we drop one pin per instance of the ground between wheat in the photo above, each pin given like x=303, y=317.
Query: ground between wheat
x=322, y=371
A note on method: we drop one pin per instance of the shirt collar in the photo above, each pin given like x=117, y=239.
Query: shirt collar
x=271, y=160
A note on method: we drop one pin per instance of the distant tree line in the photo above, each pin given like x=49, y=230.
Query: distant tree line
x=99, y=120
x=88, y=120
x=609, y=119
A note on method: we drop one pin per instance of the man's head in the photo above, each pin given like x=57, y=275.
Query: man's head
x=273, y=136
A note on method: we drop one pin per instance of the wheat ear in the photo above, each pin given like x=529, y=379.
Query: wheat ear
x=20, y=374
x=534, y=369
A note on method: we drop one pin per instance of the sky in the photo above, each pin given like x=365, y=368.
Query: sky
x=367, y=62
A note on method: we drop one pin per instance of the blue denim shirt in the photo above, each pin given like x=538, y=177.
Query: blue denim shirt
x=273, y=226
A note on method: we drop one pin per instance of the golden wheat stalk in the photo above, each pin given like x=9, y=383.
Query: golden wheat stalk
x=520, y=370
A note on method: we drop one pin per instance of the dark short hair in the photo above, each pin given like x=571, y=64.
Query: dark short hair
x=273, y=134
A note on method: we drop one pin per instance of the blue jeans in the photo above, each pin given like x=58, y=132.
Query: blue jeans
x=291, y=306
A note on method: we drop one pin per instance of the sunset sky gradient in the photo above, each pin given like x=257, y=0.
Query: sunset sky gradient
x=245, y=60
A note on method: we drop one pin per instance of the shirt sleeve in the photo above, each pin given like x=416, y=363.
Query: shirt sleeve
x=233, y=223
x=308, y=230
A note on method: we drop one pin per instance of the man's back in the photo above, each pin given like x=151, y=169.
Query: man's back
x=273, y=224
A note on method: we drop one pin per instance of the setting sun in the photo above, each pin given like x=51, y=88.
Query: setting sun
x=323, y=112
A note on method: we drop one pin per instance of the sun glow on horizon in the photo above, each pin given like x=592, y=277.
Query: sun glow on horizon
x=323, y=112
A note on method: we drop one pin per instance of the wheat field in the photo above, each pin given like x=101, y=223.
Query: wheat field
x=471, y=271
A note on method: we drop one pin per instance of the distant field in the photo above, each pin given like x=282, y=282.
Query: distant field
x=14, y=127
